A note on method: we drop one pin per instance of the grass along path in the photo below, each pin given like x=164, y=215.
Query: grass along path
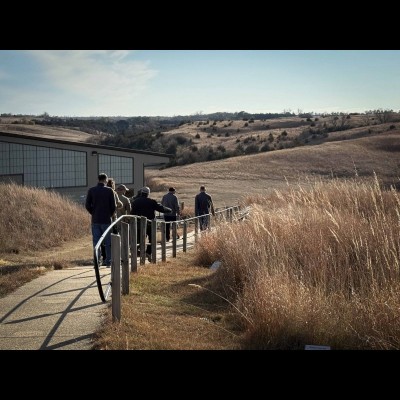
x=163, y=311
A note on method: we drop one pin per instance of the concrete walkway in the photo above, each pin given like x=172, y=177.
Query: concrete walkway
x=59, y=310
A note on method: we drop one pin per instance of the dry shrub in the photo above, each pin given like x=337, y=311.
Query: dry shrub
x=157, y=184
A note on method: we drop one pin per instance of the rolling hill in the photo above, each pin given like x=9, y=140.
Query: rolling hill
x=231, y=179
x=361, y=149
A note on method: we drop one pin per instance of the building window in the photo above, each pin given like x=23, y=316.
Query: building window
x=119, y=168
x=43, y=166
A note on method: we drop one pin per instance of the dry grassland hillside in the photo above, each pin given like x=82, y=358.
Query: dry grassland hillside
x=231, y=179
x=49, y=132
x=364, y=148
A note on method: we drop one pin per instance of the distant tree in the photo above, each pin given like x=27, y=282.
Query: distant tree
x=171, y=149
x=265, y=147
x=239, y=149
x=343, y=121
x=122, y=125
x=383, y=116
x=45, y=115
x=251, y=149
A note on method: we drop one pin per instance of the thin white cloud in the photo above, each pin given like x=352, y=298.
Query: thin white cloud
x=107, y=78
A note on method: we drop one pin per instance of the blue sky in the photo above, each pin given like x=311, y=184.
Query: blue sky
x=185, y=82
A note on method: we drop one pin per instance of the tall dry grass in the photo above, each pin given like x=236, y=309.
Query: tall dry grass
x=317, y=265
x=37, y=219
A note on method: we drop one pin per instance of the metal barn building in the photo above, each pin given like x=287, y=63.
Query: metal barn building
x=71, y=168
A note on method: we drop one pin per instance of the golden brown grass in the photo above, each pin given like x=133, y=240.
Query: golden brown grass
x=165, y=312
x=316, y=263
x=315, y=266
x=33, y=219
x=52, y=132
x=39, y=230
x=13, y=278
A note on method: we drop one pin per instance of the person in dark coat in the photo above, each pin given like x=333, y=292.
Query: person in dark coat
x=100, y=203
x=170, y=200
x=144, y=206
x=203, y=206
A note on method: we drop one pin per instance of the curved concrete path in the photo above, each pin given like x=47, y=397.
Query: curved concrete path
x=60, y=310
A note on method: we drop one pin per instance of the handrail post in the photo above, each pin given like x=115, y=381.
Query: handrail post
x=153, y=241
x=163, y=242
x=116, y=276
x=133, y=241
x=143, y=229
x=125, y=256
x=173, y=239
x=196, y=228
x=184, y=236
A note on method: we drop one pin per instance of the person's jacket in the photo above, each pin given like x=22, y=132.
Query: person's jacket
x=147, y=207
x=203, y=204
x=126, y=205
x=118, y=204
x=100, y=203
x=171, y=200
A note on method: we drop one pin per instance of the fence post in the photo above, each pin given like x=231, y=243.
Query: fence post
x=163, y=242
x=133, y=241
x=153, y=241
x=184, y=236
x=125, y=256
x=173, y=233
x=116, y=277
x=196, y=228
x=143, y=229
x=230, y=210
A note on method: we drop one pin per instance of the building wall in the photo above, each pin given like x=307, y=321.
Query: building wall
x=94, y=156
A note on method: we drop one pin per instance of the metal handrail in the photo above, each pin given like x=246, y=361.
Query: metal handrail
x=104, y=295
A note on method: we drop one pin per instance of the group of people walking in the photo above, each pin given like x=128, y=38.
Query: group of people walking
x=106, y=203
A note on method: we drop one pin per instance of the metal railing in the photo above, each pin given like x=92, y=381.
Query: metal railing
x=125, y=246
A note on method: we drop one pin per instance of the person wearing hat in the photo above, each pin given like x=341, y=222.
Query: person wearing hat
x=170, y=200
x=126, y=204
x=144, y=206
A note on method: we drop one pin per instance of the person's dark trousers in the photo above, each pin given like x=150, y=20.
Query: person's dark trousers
x=168, y=219
x=103, y=251
x=97, y=232
x=148, y=234
x=204, y=222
